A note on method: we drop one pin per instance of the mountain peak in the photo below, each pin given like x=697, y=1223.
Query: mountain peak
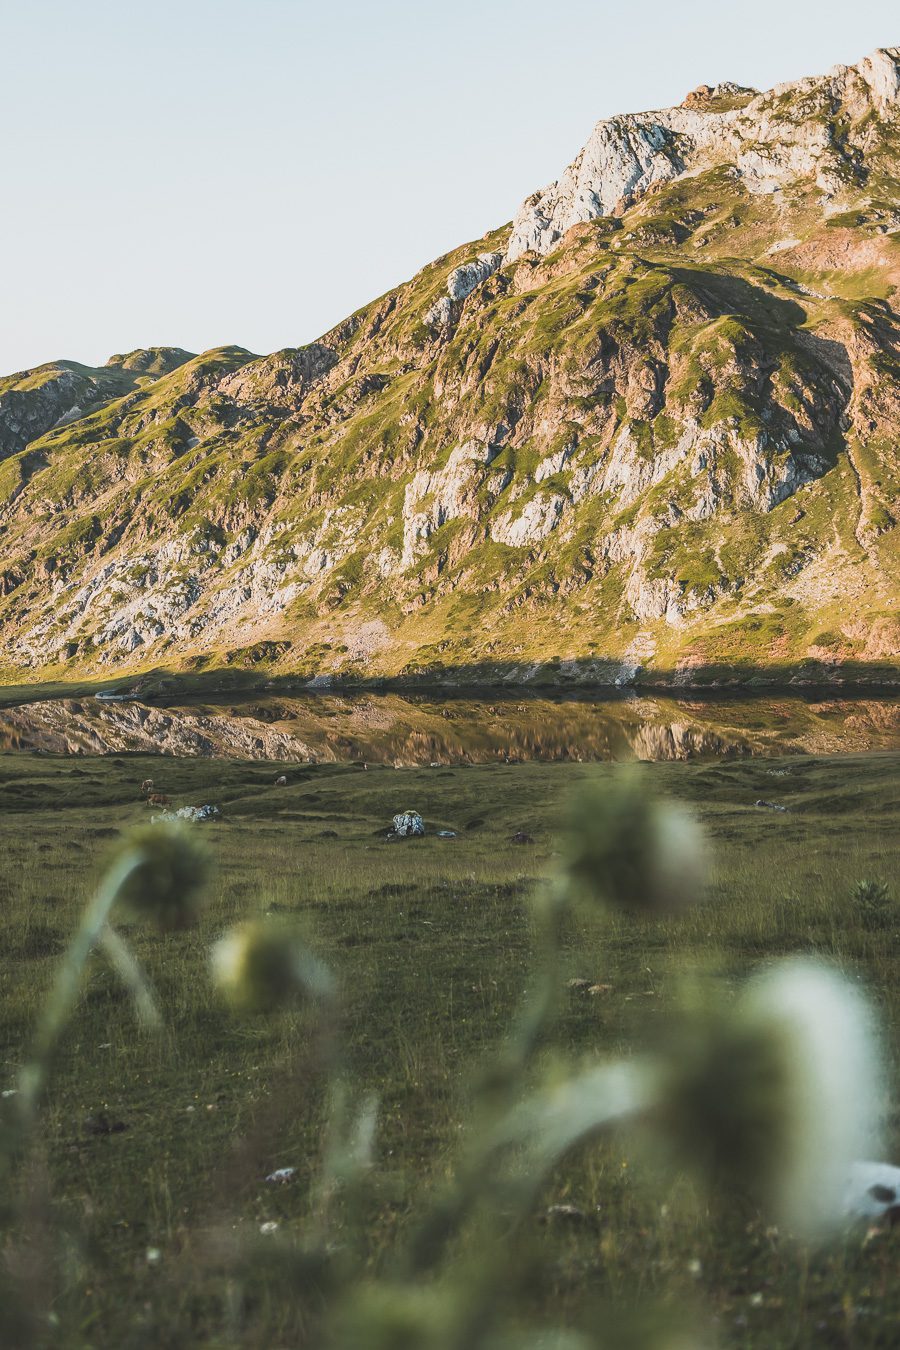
x=152, y=360
x=770, y=141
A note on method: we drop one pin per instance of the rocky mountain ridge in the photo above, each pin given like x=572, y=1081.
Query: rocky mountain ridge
x=647, y=431
x=768, y=141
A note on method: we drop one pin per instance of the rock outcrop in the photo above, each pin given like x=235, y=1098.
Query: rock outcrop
x=769, y=141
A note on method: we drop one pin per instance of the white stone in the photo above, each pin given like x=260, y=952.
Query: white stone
x=873, y=1190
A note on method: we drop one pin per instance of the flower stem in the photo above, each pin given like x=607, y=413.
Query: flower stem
x=55, y=1014
x=131, y=975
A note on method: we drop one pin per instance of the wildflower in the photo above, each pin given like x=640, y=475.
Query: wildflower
x=776, y=1097
x=161, y=871
x=632, y=851
x=264, y=966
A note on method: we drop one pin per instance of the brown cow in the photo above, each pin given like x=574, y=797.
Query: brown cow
x=158, y=799
x=147, y=786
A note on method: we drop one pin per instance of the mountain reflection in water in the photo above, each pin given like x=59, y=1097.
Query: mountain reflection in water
x=396, y=729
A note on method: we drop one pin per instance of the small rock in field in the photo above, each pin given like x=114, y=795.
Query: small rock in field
x=154, y=1256
x=770, y=806
x=195, y=813
x=596, y=989
x=446, y=834
x=578, y=984
x=270, y=1226
x=408, y=825
x=281, y=1175
x=281, y=780
x=520, y=837
x=873, y=1192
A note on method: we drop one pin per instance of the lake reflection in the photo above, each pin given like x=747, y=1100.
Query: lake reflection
x=414, y=729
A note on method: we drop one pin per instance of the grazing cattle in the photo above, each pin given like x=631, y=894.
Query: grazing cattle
x=158, y=799
x=281, y=781
x=147, y=786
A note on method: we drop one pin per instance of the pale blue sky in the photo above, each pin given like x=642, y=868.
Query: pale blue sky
x=196, y=172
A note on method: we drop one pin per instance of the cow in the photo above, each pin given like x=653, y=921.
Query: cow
x=147, y=786
x=158, y=799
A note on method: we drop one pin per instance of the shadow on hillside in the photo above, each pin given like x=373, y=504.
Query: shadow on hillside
x=577, y=678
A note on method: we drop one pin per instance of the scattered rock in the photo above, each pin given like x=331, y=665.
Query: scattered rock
x=281, y=1176
x=446, y=834
x=281, y=780
x=770, y=806
x=270, y=1226
x=698, y=97
x=408, y=825
x=194, y=813
x=580, y=985
x=873, y=1193
x=520, y=837
x=597, y=989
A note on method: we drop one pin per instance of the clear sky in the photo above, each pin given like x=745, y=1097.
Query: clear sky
x=198, y=172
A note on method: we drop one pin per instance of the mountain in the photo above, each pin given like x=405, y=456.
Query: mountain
x=646, y=431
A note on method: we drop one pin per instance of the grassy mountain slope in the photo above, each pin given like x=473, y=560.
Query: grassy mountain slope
x=664, y=447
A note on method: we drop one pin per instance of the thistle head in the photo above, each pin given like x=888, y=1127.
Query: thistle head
x=264, y=966
x=164, y=870
x=632, y=851
x=777, y=1095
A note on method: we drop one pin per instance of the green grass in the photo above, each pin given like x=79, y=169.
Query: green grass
x=431, y=941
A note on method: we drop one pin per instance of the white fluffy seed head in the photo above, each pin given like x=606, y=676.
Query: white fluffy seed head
x=775, y=1096
x=832, y=1087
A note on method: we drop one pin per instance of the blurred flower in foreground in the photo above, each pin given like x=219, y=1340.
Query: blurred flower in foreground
x=778, y=1096
x=161, y=871
x=630, y=850
x=401, y=1317
x=265, y=966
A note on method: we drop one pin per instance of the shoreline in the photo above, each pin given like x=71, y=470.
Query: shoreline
x=172, y=689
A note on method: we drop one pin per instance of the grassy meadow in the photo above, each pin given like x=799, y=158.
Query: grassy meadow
x=152, y=1150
